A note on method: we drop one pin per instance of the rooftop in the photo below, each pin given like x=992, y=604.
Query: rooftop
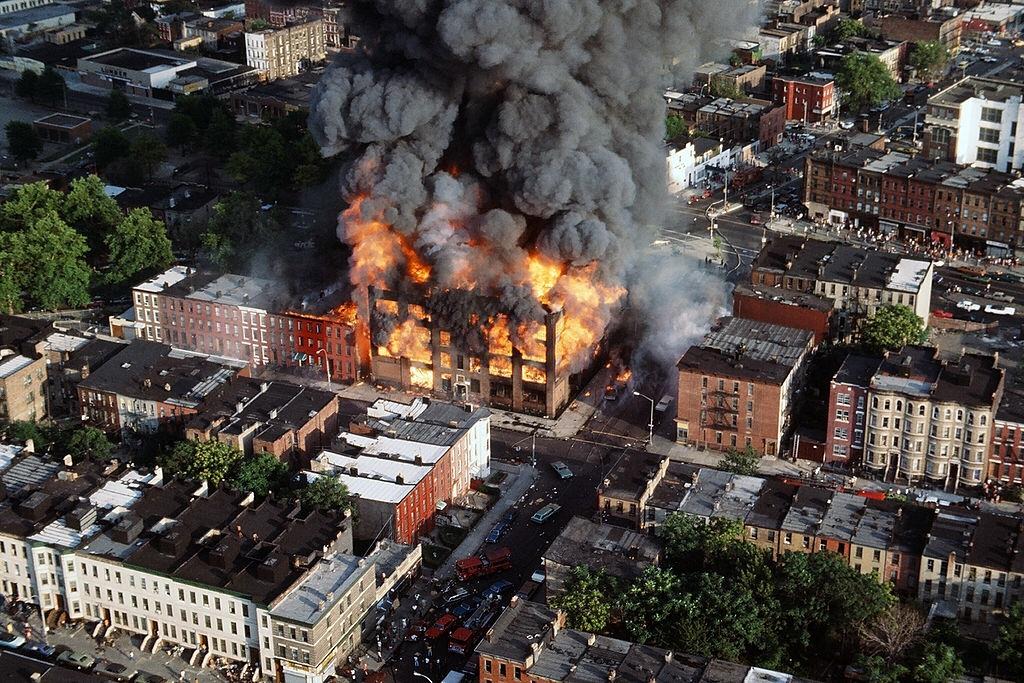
x=748, y=349
x=857, y=370
x=62, y=120
x=34, y=15
x=133, y=59
x=159, y=283
x=631, y=474
x=239, y=406
x=619, y=552
x=156, y=372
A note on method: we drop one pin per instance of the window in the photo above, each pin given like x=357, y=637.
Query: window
x=991, y=115
x=988, y=156
x=990, y=135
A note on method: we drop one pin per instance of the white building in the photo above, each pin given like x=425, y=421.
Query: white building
x=978, y=122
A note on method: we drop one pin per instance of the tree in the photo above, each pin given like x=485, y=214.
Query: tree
x=181, y=131
x=23, y=141
x=325, y=493
x=24, y=430
x=10, y=275
x=30, y=202
x=893, y=632
x=1008, y=647
x=52, y=261
x=693, y=544
x=585, y=600
x=929, y=59
x=219, y=134
x=741, y=462
x=647, y=607
x=118, y=106
x=50, y=87
x=148, y=151
x=721, y=87
x=89, y=443
x=138, y=243
x=823, y=602
x=865, y=80
x=202, y=460
x=260, y=474
x=26, y=85
x=852, y=28
x=874, y=669
x=892, y=327
x=263, y=162
x=110, y=144
x=238, y=226
x=90, y=210
x=675, y=128
x=939, y=664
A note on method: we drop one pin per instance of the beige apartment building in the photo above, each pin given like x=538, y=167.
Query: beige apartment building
x=930, y=419
x=286, y=51
x=220, y=572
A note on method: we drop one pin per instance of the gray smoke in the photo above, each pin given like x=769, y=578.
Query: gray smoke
x=487, y=130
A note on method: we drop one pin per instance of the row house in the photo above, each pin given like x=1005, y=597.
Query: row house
x=149, y=387
x=215, y=570
x=917, y=198
x=1006, y=461
x=967, y=561
x=243, y=318
x=406, y=461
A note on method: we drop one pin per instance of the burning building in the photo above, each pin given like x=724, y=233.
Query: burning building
x=505, y=173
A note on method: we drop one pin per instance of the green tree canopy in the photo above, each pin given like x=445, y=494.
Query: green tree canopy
x=744, y=461
x=586, y=600
x=326, y=493
x=238, y=226
x=25, y=87
x=892, y=327
x=50, y=87
x=148, y=151
x=88, y=443
x=22, y=141
x=852, y=28
x=51, y=258
x=138, y=243
x=260, y=474
x=939, y=664
x=649, y=605
x=865, y=80
x=90, y=210
x=181, y=131
x=109, y=145
x=721, y=87
x=202, y=460
x=118, y=106
x=675, y=128
x=929, y=58
x=1008, y=647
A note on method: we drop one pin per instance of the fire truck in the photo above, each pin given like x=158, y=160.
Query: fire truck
x=493, y=560
x=745, y=176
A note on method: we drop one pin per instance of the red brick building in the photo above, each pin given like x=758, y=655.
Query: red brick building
x=805, y=98
x=847, y=401
x=248, y=319
x=405, y=462
x=784, y=307
x=289, y=421
x=150, y=387
x=735, y=389
x=1006, y=463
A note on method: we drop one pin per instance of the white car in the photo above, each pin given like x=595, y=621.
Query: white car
x=1000, y=310
x=969, y=305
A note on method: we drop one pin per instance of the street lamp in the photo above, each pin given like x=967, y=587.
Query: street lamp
x=327, y=366
x=650, y=425
x=417, y=673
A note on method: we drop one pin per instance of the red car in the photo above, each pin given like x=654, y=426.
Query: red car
x=755, y=219
x=441, y=627
x=939, y=313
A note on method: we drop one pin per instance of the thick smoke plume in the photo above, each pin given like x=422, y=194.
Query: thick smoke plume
x=512, y=148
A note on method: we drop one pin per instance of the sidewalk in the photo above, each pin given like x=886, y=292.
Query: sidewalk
x=768, y=466
x=515, y=486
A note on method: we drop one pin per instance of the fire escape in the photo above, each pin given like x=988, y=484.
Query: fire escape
x=719, y=410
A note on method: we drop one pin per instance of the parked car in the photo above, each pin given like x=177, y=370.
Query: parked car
x=663, y=404
x=969, y=305
x=510, y=516
x=498, y=589
x=1000, y=310
x=562, y=469
x=11, y=641
x=457, y=595
x=538, y=575
x=143, y=677
x=112, y=671
x=545, y=513
x=497, y=531
x=76, y=660
x=1001, y=296
x=939, y=313
x=40, y=651
x=755, y=219
x=442, y=627
x=466, y=607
